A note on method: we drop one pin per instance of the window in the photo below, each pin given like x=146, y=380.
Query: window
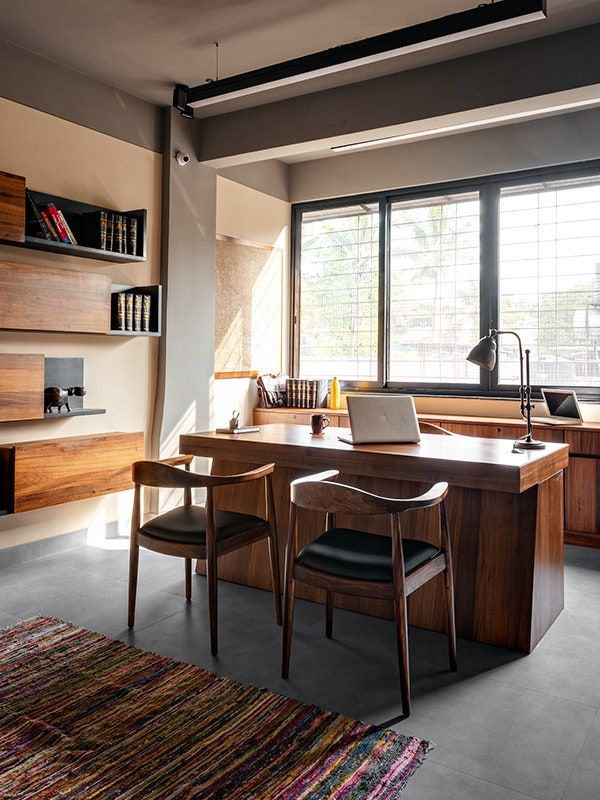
x=549, y=287
x=434, y=289
x=391, y=291
x=339, y=278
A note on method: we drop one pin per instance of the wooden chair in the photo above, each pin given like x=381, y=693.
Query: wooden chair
x=191, y=531
x=364, y=564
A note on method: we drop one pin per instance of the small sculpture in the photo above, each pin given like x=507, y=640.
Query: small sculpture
x=55, y=396
x=234, y=422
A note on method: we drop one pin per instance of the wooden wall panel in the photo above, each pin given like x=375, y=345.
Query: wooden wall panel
x=582, y=498
x=21, y=387
x=49, y=299
x=12, y=207
x=54, y=471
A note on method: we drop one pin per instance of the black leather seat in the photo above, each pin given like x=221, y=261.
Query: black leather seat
x=361, y=556
x=187, y=525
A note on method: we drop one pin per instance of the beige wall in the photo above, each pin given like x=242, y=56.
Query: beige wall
x=69, y=160
x=246, y=213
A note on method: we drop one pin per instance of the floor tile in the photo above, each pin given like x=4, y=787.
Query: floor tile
x=428, y=780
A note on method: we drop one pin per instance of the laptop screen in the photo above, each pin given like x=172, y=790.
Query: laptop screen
x=561, y=404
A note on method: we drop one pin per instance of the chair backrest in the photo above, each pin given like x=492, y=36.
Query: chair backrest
x=165, y=474
x=318, y=493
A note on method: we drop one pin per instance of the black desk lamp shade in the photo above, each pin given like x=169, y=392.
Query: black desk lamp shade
x=484, y=356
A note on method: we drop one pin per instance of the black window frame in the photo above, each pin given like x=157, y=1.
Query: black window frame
x=489, y=189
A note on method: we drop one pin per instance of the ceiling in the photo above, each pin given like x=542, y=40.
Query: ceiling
x=145, y=46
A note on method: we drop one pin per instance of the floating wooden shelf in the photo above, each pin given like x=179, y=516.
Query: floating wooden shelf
x=54, y=300
x=54, y=471
x=75, y=412
x=21, y=387
x=19, y=227
x=35, y=243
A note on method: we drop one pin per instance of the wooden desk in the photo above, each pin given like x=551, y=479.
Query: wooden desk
x=582, y=509
x=505, y=512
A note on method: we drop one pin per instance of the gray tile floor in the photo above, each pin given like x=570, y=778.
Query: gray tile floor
x=505, y=726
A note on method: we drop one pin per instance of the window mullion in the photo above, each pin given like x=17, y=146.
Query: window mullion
x=489, y=199
x=384, y=296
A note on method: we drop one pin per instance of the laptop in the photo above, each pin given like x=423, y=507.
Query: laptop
x=379, y=419
x=562, y=406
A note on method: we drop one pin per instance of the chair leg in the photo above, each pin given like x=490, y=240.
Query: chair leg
x=211, y=575
x=402, y=634
x=288, y=621
x=188, y=579
x=450, y=621
x=134, y=557
x=329, y=605
x=275, y=578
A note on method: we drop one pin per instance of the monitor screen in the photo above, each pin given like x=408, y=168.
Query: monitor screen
x=561, y=404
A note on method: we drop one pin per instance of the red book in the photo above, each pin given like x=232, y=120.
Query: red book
x=57, y=222
x=48, y=220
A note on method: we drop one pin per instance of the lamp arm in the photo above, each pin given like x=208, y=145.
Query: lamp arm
x=522, y=389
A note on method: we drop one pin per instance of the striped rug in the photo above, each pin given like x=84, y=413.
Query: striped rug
x=83, y=716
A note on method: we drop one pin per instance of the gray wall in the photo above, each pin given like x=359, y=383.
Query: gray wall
x=186, y=355
x=39, y=83
x=563, y=139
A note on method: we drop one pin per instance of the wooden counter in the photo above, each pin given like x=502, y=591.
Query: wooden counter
x=581, y=506
x=505, y=512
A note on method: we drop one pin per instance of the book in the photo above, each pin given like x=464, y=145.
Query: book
x=146, y=306
x=132, y=236
x=128, y=312
x=118, y=233
x=109, y=231
x=38, y=218
x=241, y=429
x=137, y=312
x=67, y=227
x=49, y=224
x=52, y=211
x=121, y=311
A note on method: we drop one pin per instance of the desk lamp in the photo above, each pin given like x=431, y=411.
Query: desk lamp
x=484, y=356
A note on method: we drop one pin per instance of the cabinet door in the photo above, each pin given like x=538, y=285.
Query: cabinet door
x=12, y=207
x=582, y=498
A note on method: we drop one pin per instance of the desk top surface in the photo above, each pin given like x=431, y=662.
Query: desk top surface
x=460, y=460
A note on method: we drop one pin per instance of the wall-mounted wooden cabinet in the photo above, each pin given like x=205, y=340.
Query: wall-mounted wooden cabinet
x=21, y=387
x=12, y=207
x=34, y=298
x=54, y=471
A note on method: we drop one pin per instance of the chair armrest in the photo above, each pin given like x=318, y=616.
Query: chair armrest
x=176, y=461
x=241, y=477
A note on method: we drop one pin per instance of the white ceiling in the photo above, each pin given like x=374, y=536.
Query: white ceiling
x=145, y=46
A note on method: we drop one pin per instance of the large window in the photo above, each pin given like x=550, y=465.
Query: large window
x=339, y=279
x=392, y=291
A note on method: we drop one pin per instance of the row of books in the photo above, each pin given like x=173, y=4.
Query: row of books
x=133, y=311
x=103, y=230
x=304, y=393
x=52, y=223
x=117, y=232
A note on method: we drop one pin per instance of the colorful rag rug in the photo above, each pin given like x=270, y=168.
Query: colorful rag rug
x=83, y=716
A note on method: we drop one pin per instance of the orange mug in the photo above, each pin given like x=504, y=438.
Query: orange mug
x=318, y=423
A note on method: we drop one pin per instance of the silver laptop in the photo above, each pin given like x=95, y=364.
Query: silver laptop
x=562, y=406
x=378, y=419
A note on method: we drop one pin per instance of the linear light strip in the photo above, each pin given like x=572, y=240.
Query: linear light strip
x=454, y=27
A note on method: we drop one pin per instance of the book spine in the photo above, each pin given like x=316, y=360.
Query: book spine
x=147, y=304
x=121, y=311
x=65, y=224
x=129, y=312
x=59, y=227
x=38, y=217
x=137, y=312
x=110, y=224
x=49, y=224
x=132, y=235
x=102, y=218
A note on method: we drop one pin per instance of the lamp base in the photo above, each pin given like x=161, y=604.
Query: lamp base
x=529, y=443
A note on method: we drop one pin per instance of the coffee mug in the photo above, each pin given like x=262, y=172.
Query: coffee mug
x=318, y=422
